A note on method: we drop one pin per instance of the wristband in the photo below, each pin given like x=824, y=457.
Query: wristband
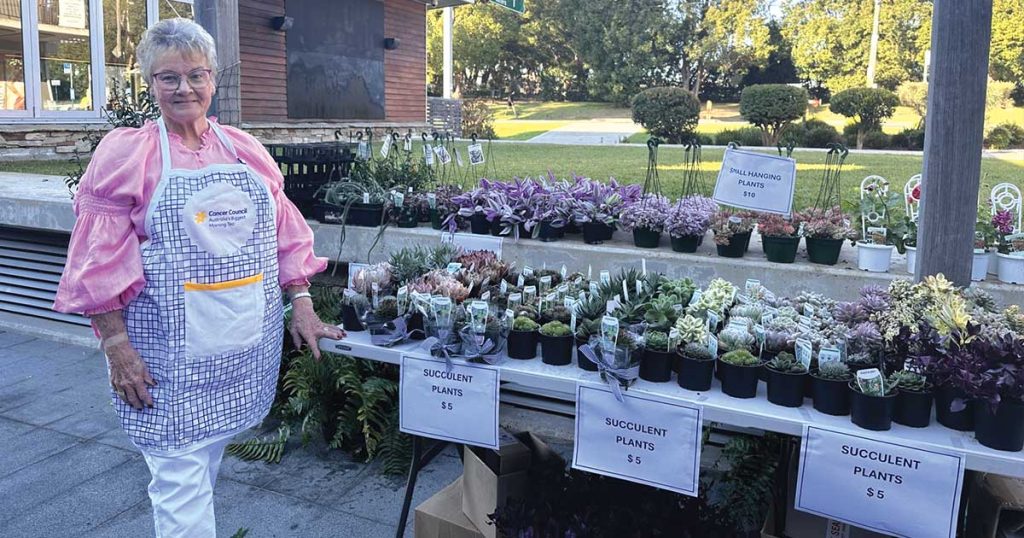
x=112, y=341
x=302, y=294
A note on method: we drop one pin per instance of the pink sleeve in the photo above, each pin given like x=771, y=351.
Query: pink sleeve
x=295, y=256
x=104, y=265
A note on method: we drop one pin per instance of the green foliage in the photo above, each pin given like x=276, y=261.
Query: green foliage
x=1005, y=136
x=785, y=362
x=661, y=313
x=697, y=352
x=666, y=112
x=908, y=139
x=869, y=106
x=997, y=94
x=740, y=357
x=876, y=140
x=747, y=488
x=592, y=308
x=387, y=308
x=735, y=339
x=656, y=341
x=915, y=96
x=744, y=136
x=681, y=289
x=242, y=532
x=524, y=323
x=772, y=107
x=554, y=329
x=558, y=313
x=835, y=371
x=1006, y=51
x=410, y=263
x=268, y=450
x=477, y=119
x=909, y=381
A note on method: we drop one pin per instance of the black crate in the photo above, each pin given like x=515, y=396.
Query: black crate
x=307, y=167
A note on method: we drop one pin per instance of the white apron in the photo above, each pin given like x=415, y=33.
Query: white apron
x=208, y=322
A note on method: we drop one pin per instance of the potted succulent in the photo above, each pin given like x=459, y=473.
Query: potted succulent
x=522, y=339
x=646, y=219
x=914, y=399
x=550, y=216
x=740, y=372
x=734, y=338
x=824, y=231
x=406, y=209
x=830, y=388
x=872, y=409
x=688, y=220
x=352, y=203
x=556, y=341
x=353, y=307
x=696, y=367
x=585, y=330
x=990, y=371
x=732, y=233
x=656, y=362
x=786, y=380
x=779, y=237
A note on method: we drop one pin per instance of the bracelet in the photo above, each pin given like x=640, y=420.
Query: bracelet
x=302, y=294
x=112, y=341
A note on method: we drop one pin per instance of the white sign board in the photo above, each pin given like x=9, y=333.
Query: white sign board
x=876, y=484
x=756, y=181
x=644, y=439
x=71, y=13
x=471, y=242
x=460, y=405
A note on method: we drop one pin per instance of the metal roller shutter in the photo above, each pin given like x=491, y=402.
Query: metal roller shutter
x=31, y=262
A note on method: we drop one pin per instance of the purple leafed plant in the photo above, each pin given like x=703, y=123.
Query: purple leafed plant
x=647, y=213
x=690, y=216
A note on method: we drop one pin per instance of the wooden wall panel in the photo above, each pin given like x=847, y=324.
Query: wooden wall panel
x=405, y=69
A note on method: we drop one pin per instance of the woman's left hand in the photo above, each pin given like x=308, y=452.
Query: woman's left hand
x=307, y=328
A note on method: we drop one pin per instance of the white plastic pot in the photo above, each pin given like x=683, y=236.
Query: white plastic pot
x=1011, y=269
x=911, y=259
x=993, y=264
x=979, y=270
x=874, y=258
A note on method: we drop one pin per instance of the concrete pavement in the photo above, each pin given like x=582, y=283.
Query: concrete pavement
x=590, y=132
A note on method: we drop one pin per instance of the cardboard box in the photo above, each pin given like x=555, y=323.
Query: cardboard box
x=441, y=516
x=996, y=507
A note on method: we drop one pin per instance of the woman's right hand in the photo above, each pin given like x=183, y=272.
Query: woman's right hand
x=129, y=376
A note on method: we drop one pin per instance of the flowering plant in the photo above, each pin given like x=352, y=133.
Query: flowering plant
x=773, y=225
x=690, y=216
x=648, y=213
x=728, y=223
x=829, y=223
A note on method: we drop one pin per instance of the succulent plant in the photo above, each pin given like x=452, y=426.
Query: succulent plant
x=785, y=362
x=749, y=311
x=528, y=311
x=356, y=300
x=697, y=352
x=387, y=308
x=558, y=313
x=692, y=330
x=523, y=323
x=735, y=338
x=379, y=274
x=409, y=263
x=555, y=329
x=656, y=341
x=592, y=308
x=681, y=289
x=776, y=341
x=661, y=312
x=585, y=328
x=631, y=311
x=740, y=357
x=910, y=381
x=861, y=360
x=835, y=371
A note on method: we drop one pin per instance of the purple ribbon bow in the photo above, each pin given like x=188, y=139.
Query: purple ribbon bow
x=478, y=346
x=439, y=346
x=385, y=337
x=612, y=375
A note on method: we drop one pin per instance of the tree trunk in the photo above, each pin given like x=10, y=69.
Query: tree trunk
x=861, y=133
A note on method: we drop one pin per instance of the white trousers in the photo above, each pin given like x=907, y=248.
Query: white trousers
x=182, y=490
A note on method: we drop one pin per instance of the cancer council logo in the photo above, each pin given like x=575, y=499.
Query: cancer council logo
x=200, y=217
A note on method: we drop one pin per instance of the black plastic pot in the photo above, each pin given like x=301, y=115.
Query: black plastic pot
x=786, y=389
x=871, y=412
x=962, y=420
x=830, y=396
x=656, y=366
x=415, y=326
x=548, y=232
x=736, y=248
x=479, y=224
x=360, y=214
x=350, y=319
x=1002, y=430
x=694, y=374
x=329, y=213
x=913, y=409
x=556, y=350
x=780, y=249
x=571, y=228
x=646, y=238
x=595, y=232
x=739, y=381
x=581, y=360
x=824, y=251
x=523, y=232
x=495, y=227
x=522, y=344
x=408, y=219
x=609, y=231
x=687, y=243
x=436, y=219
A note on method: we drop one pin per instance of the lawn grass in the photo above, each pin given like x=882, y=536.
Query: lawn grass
x=525, y=129
x=629, y=164
x=558, y=110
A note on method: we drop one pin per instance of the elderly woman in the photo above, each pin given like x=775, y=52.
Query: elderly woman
x=183, y=244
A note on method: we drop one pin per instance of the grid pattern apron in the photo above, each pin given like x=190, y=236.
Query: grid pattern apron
x=208, y=322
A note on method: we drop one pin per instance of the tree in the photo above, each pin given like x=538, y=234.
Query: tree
x=724, y=37
x=772, y=107
x=914, y=95
x=869, y=106
x=668, y=113
x=1006, y=56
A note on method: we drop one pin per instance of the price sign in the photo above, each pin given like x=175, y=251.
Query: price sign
x=874, y=484
x=644, y=439
x=460, y=405
x=756, y=181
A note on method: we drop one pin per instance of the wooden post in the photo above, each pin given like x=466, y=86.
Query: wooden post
x=220, y=18
x=961, y=31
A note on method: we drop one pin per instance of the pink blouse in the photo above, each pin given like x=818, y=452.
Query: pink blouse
x=104, y=267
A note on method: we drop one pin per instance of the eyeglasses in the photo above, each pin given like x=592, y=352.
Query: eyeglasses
x=197, y=79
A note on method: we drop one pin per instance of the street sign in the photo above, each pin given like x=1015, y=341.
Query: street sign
x=519, y=6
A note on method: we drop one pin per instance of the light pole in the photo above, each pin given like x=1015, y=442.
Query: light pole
x=873, y=57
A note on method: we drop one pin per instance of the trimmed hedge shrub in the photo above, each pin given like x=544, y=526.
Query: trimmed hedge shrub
x=667, y=112
x=772, y=107
x=1005, y=136
x=745, y=136
x=877, y=140
x=869, y=106
x=821, y=137
x=912, y=139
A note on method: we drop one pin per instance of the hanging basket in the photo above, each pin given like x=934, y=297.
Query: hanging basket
x=646, y=238
x=824, y=251
x=780, y=249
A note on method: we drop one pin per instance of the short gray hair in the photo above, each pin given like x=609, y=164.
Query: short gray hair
x=180, y=35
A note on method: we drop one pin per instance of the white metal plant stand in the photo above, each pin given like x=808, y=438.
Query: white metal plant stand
x=1006, y=196
x=910, y=202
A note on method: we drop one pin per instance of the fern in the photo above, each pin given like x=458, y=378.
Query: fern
x=268, y=450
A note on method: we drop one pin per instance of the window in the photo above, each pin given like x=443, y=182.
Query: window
x=124, y=21
x=12, y=56
x=64, y=55
x=170, y=9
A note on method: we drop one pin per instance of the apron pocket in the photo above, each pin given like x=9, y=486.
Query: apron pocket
x=223, y=316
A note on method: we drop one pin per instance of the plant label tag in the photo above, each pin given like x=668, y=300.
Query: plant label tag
x=458, y=405
x=804, y=349
x=743, y=299
x=398, y=198
x=529, y=295
x=805, y=323
x=713, y=345
x=432, y=200
x=606, y=278
x=572, y=322
x=504, y=286
x=485, y=296
x=458, y=158
x=678, y=308
x=644, y=439
x=375, y=293
x=428, y=155
x=403, y=298
x=611, y=306
x=643, y=265
x=527, y=271
x=696, y=296
x=767, y=317
x=866, y=482
x=639, y=288
x=562, y=290
x=569, y=303
x=520, y=281
x=442, y=154
x=551, y=297
x=366, y=197
x=809, y=310
x=476, y=154
x=759, y=335
x=363, y=152
x=454, y=267
x=842, y=348
x=594, y=290
x=385, y=148
x=515, y=300
x=871, y=382
x=750, y=286
x=564, y=272
x=509, y=316
x=625, y=291
x=756, y=181
x=837, y=529
x=712, y=321
x=407, y=144
x=829, y=354
x=545, y=283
